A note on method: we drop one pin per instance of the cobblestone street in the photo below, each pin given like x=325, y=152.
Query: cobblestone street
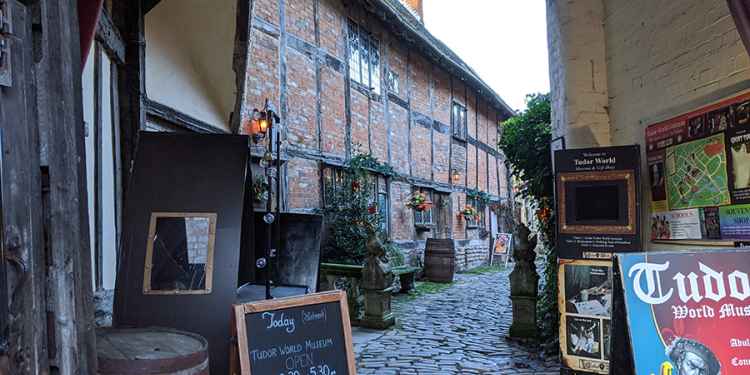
x=460, y=330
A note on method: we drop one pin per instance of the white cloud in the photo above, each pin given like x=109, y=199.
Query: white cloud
x=504, y=41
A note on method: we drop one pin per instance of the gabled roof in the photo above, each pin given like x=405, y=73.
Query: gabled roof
x=413, y=31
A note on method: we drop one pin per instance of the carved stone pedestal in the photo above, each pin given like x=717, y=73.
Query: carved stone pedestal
x=523, y=284
x=377, y=281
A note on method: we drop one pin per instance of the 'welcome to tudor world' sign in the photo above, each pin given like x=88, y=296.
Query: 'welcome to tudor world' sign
x=688, y=312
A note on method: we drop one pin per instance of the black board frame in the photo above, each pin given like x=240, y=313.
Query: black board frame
x=239, y=326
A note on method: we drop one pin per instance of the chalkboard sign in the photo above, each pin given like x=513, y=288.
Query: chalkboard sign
x=308, y=335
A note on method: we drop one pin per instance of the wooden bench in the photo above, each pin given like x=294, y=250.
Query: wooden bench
x=406, y=275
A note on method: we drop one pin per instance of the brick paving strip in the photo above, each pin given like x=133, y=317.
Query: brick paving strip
x=460, y=330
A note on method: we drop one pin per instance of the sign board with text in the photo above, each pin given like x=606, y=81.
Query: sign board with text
x=687, y=312
x=598, y=201
x=308, y=335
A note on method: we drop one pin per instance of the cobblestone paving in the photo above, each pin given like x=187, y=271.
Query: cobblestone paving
x=461, y=330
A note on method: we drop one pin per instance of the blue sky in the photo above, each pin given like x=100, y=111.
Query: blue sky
x=505, y=41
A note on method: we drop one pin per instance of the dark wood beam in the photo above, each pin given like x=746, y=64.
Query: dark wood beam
x=174, y=116
x=110, y=38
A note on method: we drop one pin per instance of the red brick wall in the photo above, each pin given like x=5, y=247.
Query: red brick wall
x=420, y=84
x=262, y=79
x=459, y=225
x=301, y=115
x=399, y=138
x=482, y=170
x=471, y=174
x=402, y=219
x=300, y=20
x=442, y=157
x=442, y=96
x=332, y=28
x=493, y=175
x=482, y=124
x=420, y=151
x=397, y=61
x=304, y=183
x=378, y=131
x=359, y=121
x=458, y=162
x=333, y=121
x=471, y=114
x=267, y=10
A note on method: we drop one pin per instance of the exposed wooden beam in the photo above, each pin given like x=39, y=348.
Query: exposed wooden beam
x=110, y=38
x=178, y=118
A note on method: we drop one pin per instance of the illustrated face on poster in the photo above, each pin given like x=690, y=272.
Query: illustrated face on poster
x=689, y=311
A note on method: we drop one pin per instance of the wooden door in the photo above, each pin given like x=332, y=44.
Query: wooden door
x=442, y=211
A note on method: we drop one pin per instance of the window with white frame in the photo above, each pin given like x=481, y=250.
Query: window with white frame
x=364, y=58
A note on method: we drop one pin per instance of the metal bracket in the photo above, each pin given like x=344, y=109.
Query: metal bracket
x=6, y=31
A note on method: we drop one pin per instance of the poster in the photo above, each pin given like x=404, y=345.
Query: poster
x=676, y=225
x=688, y=312
x=598, y=201
x=502, y=243
x=585, y=302
x=735, y=222
x=700, y=159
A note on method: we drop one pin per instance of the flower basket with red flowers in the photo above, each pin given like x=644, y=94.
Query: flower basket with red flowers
x=418, y=201
x=469, y=213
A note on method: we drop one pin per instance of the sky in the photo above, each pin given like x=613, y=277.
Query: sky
x=504, y=41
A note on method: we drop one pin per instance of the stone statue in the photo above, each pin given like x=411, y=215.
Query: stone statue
x=377, y=281
x=524, y=282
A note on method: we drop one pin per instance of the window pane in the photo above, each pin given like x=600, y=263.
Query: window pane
x=354, y=53
x=383, y=211
x=364, y=53
x=374, y=66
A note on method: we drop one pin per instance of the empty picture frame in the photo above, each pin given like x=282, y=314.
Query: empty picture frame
x=179, y=253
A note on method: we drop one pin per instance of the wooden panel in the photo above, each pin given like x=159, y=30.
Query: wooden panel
x=21, y=209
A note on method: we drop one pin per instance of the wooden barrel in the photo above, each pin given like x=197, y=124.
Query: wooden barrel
x=439, y=260
x=151, y=351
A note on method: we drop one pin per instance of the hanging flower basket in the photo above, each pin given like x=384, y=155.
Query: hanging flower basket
x=418, y=202
x=469, y=213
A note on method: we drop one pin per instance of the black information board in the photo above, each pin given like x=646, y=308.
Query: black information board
x=307, y=335
x=598, y=201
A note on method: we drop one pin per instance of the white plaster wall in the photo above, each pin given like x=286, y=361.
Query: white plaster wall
x=87, y=95
x=578, y=72
x=666, y=58
x=189, y=52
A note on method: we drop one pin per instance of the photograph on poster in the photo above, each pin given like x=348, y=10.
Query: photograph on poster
x=711, y=228
x=584, y=337
x=588, y=290
x=741, y=113
x=676, y=225
x=656, y=176
x=739, y=148
x=696, y=127
x=719, y=120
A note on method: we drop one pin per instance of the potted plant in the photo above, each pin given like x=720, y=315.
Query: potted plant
x=418, y=201
x=469, y=213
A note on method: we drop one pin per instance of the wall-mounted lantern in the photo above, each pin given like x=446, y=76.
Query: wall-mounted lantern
x=455, y=176
x=262, y=121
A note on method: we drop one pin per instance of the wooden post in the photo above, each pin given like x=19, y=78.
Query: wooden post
x=23, y=250
x=61, y=123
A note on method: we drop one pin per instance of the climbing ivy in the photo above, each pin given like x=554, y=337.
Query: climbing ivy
x=526, y=145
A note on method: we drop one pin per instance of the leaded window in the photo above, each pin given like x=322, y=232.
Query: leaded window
x=364, y=58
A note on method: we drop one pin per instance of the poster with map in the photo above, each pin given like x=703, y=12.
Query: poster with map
x=700, y=160
x=697, y=174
